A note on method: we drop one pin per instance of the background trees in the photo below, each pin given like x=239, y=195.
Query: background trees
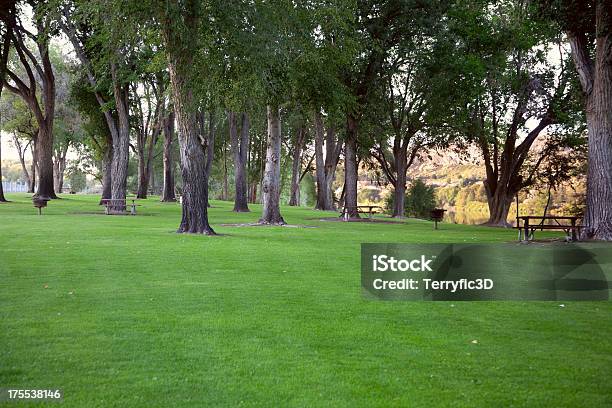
x=263, y=96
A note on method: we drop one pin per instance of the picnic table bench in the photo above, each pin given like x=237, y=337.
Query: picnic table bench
x=360, y=209
x=527, y=230
x=109, y=205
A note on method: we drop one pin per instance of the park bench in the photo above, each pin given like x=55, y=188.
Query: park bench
x=110, y=205
x=39, y=203
x=530, y=225
x=360, y=209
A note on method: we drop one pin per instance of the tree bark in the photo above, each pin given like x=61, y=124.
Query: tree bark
x=271, y=182
x=240, y=154
x=596, y=80
x=141, y=191
x=401, y=166
x=44, y=149
x=325, y=166
x=180, y=43
x=107, y=163
x=168, y=190
x=319, y=163
x=351, y=168
x=59, y=167
x=121, y=142
x=295, y=167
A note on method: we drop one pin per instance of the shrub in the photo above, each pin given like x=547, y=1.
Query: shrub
x=420, y=200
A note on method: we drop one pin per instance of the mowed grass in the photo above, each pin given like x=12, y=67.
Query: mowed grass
x=122, y=311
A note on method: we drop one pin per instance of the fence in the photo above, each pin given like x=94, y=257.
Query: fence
x=14, y=187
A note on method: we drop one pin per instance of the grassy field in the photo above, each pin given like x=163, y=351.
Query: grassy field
x=121, y=311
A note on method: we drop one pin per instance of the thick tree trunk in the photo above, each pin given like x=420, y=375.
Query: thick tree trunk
x=271, y=182
x=239, y=148
x=107, y=164
x=598, y=215
x=351, y=169
x=168, y=194
x=296, y=168
x=121, y=143
x=44, y=150
x=499, y=199
x=193, y=170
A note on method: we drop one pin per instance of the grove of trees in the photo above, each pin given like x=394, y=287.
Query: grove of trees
x=259, y=95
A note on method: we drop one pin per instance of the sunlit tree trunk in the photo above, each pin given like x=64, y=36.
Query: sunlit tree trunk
x=271, y=182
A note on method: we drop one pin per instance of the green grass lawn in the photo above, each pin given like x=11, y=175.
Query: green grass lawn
x=121, y=311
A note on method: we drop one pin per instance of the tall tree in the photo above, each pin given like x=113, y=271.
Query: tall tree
x=87, y=25
x=379, y=27
x=5, y=18
x=513, y=93
x=180, y=25
x=588, y=25
x=37, y=68
x=271, y=180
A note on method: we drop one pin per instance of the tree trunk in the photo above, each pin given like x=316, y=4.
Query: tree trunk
x=296, y=168
x=598, y=215
x=271, y=182
x=44, y=150
x=319, y=163
x=401, y=164
x=351, y=169
x=141, y=192
x=597, y=83
x=107, y=164
x=195, y=184
x=121, y=142
x=168, y=191
x=240, y=153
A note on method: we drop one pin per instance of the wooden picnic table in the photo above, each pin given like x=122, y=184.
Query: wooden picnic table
x=529, y=227
x=110, y=203
x=361, y=209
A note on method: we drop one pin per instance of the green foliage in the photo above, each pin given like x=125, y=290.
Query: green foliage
x=77, y=180
x=420, y=199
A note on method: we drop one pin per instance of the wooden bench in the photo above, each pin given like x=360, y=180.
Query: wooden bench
x=110, y=205
x=360, y=209
x=527, y=230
